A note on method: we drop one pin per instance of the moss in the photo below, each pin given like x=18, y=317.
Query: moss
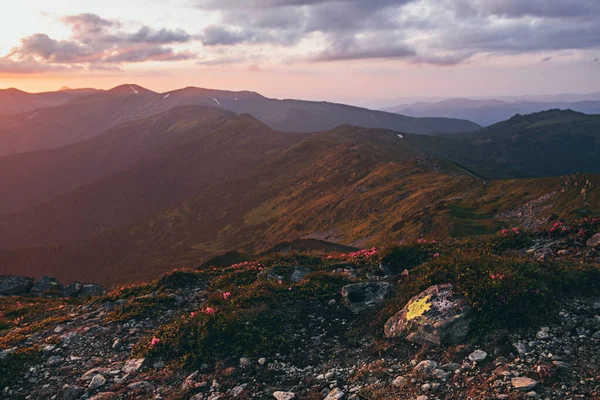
x=418, y=308
x=141, y=307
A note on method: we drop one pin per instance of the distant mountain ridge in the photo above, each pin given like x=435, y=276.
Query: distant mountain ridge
x=87, y=114
x=488, y=112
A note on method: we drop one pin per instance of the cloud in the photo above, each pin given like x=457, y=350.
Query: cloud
x=98, y=44
x=26, y=66
x=41, y=46
x=142, y=54
x=163, y=36
x=438, y=32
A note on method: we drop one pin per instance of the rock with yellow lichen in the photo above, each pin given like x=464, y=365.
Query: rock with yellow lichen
x=437, y=316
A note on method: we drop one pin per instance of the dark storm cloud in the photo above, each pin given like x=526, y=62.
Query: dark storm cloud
x=439, y=32
x=97, y=43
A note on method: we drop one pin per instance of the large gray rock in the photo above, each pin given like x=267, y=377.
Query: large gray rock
x=47, y=286
x=436, y=317
x=15, y=285
x=84, y=290
x=299, y=273
x=362, y=296
x=594, y=241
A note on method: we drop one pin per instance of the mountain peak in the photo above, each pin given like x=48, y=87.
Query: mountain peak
x=13, y=91
x=130, y=89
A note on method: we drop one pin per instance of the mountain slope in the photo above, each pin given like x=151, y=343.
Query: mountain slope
x=89, y=115
x=488, y=112
x=548, y=143
x=310, y=116
x=32, y=178
x=13, y=101
x=227, y=148
x=350, y=185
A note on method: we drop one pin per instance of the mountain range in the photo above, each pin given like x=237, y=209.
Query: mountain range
x=78, y=115
x=187, y=183
x=488, y=112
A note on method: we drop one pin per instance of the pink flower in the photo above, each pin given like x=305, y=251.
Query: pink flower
x=436, y=255
x=209, y=310
x=154, y=341
x=515, y=230
x=226, y=295
x=192, y=314
x=581, y=232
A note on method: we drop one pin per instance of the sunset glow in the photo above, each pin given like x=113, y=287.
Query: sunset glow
x=385, y=49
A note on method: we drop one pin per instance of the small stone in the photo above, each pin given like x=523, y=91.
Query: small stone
x=54, y=360
x=531, y=394
x=523, y=383
x=451, y=367
x=117, y=344
x=400, y=381
x=563, y=252
x=426, y=387
x=236, y=391
x=594, y=241
x=262, y=361
x=245, y=361
x=97, y=381
x=543, y=334
x=72, y=392
x=133, y=365
x=60, y=329
x=335, y=394
x=478, y=356
x=284, y=395
x=141, y=387
x=425, y=368
x=521, y=348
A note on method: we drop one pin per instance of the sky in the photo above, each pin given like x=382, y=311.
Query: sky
x=354, y=51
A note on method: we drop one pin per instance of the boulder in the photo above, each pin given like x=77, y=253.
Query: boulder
x=84, y=290
x=594, y=241
x=437, y=316
x=362, y=296
x=47, y=286
x=15, y=285
x=299, y=273
x=91, y=290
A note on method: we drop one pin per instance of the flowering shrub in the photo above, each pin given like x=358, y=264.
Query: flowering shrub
x=363, y=258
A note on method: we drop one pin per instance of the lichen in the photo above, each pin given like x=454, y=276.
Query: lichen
x=418, y=308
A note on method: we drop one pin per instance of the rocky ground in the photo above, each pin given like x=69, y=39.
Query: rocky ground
x=90, y=353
